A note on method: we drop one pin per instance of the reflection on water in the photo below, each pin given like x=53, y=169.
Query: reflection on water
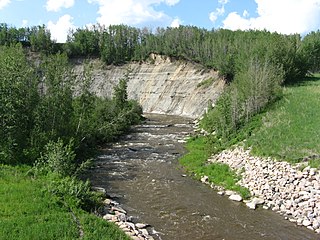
x=142, y=172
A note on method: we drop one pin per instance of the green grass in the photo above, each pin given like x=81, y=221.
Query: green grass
x=28, y=212
x=206, y=83
x=195, y=161
x=291, y=129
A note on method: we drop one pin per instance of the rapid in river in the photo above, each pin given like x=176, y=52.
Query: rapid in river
x=142, y=172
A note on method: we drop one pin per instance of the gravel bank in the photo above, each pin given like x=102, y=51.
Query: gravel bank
x=291, y=190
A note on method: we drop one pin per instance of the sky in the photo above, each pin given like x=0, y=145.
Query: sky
x=59, y=16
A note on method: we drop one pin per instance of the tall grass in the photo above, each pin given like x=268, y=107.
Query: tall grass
x=291, y=129
x=28, y=212
x=195, y=161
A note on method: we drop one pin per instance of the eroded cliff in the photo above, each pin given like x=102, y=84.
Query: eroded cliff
x=160, y=85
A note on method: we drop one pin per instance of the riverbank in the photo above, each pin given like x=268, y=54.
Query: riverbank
x=288, y=130
x=29, y=212
x=291, y=190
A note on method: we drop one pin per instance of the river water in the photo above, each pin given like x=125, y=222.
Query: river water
x=142, y=173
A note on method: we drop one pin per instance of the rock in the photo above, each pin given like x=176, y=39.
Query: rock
x=220, y=193
x=131, y=225
x=129, y=233
x=316, y=224
x=109, y=217
x=107, y=201
x=251, y=205
x=118, y=209
x=99, y=189
x=235, y=197
x=121, y=216
x=144, y=231
x=258, y=201
x=278, y=185
x=135, y=238
x=306, y=223
x=141, y=225
x=204, y=179
x=229, y=193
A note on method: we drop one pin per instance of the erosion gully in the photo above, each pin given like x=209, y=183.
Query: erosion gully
x=141, y=171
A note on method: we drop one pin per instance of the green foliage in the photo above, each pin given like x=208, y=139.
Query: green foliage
x=18, y=96
x=44, y=103
x=27, y=212
x=120, y=95
x=206, y=83
x=72, y=192
x=40, y=39
x=311, y=51
x=95, y=228
x=58, y=158
x=254, y=87
x=290, y=129
x=195, y=161
x=223, y=50
x=54, y=111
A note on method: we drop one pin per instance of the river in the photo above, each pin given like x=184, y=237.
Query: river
x=142, y=173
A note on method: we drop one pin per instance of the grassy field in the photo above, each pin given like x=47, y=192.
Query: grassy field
x=28, y=212
x=291, y=129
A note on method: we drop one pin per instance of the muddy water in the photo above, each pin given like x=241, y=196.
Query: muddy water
x=141, y=171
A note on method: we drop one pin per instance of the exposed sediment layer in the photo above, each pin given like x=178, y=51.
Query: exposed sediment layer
x=291, y=190
x=161, y=85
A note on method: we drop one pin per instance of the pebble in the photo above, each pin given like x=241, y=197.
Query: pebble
x=291, y=190
x=235, y=197
x=119, y=216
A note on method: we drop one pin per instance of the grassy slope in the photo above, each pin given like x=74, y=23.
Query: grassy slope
x=27, y=212
x=195, y=161
x=291, y=129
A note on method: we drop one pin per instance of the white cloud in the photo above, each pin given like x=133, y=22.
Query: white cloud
x=4, y=3
x=285, y=16
x=213, y=16
x=176, y=23
x=56, y=5
x=59, y=31
x=172, y=2
x=223, y=2
x=24, y=23
x=245, y=14
x=131, y=12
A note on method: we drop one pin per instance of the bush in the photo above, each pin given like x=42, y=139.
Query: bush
x=254, y=87
x=73, y=192
x=59, y=158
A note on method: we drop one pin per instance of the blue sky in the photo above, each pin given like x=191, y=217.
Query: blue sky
x=284, y=16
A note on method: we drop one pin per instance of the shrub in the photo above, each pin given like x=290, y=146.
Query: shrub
x=73, y=192
x=60, y=159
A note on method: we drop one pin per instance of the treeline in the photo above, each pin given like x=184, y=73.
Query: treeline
x=43, y=103
x=255, y=64
x=221, y=49
x=50, y=120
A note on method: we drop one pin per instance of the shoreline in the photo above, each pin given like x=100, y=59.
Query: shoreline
x=291, y=190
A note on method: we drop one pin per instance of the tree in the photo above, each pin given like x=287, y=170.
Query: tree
x=18, y=97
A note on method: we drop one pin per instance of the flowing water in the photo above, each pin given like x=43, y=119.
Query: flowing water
x=142, y=172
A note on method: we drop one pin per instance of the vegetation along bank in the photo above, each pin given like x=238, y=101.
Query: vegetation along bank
x=50, y=119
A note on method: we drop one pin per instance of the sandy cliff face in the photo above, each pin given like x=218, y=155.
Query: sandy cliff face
x=162, y=86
